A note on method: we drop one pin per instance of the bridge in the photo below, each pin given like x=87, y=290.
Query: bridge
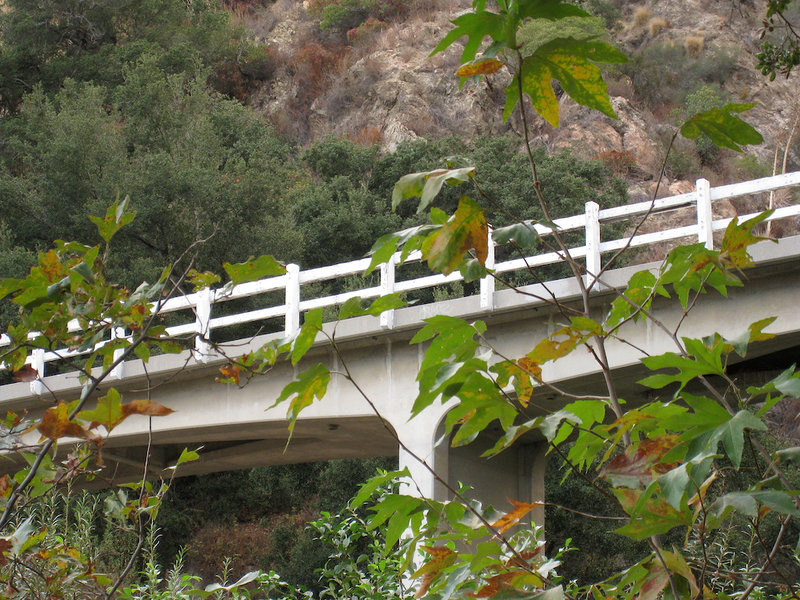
x=237, y=429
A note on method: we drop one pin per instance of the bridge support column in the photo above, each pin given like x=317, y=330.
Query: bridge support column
x=516, y=474
x=419, y=437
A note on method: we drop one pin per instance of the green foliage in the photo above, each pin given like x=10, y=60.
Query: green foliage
x=46, y=43
x=664, y=74
x=341, y=15
x=780, y=48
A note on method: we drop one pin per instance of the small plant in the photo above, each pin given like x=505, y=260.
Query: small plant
x=641, y=16
x=694, y=45
x=657, y=25
x=622, y=162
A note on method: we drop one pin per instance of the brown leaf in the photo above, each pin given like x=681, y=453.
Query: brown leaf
x=645, y=462
x=5, y=546
x=56, y=424
x=495, y=584
x=145, y=407
x=26, y=373
x=512, y=518
x=229, y=373
x=441, y=557
x=5, y=486
x=486, y=66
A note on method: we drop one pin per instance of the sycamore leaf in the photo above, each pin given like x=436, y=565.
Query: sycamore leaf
x=353, y=308
x=632, y=469
x=253, y=269
x=466, y=230
x=441, y=558
x=508, y=520
x=57, y=424
x=476, y=26
x=26, y=373
x=229, y=374
x=738, y=237
x=186, y=456
x=146, y=408
x=312, y=324
x=117, y=216
x=571, y=62
x=722, y=128
x=481, y=66
x=754, y=333
x=409, y=240
x=311, y=384
x=426, y=185
x=200, y=280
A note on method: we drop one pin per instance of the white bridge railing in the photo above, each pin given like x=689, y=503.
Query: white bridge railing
x=200, y=303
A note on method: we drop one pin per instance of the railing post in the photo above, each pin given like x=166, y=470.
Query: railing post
x=202, y=332
x=37, y=363
x=487, y=283
x=593, y=260
x=292, y=299
x=705, y=221
x=387, y=287
x=119, y=370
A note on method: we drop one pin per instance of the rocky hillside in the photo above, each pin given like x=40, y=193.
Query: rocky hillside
x=376, y=83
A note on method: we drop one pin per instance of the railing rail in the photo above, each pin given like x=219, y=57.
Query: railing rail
x=201, y=303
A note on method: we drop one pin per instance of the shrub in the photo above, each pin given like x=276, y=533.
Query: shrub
x=260, y=62
x=657, y=24
x=703, y=98
x=621, y=162
x=605, y=10
x=227, y=78
x=641, y=16
x=694, y=45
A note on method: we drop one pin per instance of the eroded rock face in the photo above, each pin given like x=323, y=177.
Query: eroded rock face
x=387, y=89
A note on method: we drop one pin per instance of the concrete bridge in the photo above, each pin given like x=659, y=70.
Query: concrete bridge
x=236, y=430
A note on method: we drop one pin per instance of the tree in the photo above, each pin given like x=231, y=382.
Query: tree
x=660, y=461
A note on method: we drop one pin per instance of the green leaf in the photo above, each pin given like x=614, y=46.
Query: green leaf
x=571, y=62
x=367, y=489
x=311, y=384
x=722, y=128
x=522, y=234
x=426, y=185
x=353, y=308
x=466, y=230
x=253, y=269
x=475, y=26
x=312, y=324
x=186, y=456
x=117, y=216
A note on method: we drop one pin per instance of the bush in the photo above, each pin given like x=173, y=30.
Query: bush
x=694, y=45
x=657, y=24
x=344, y=15
x=664, y=73
x=641, y=16
x=261, y=62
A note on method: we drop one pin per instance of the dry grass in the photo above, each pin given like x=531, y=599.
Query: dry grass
x=657, y=25
x=694, y=45
x=641, y=16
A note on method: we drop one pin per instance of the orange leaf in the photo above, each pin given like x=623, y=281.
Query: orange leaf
x=441, y=557
x=5, y=485
x=497, y=583
x=512, y=518
x=56, y=424
x=643, y=464
x=229, y=373
x=145, y=407
x=486, y=66
x=26, y=373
